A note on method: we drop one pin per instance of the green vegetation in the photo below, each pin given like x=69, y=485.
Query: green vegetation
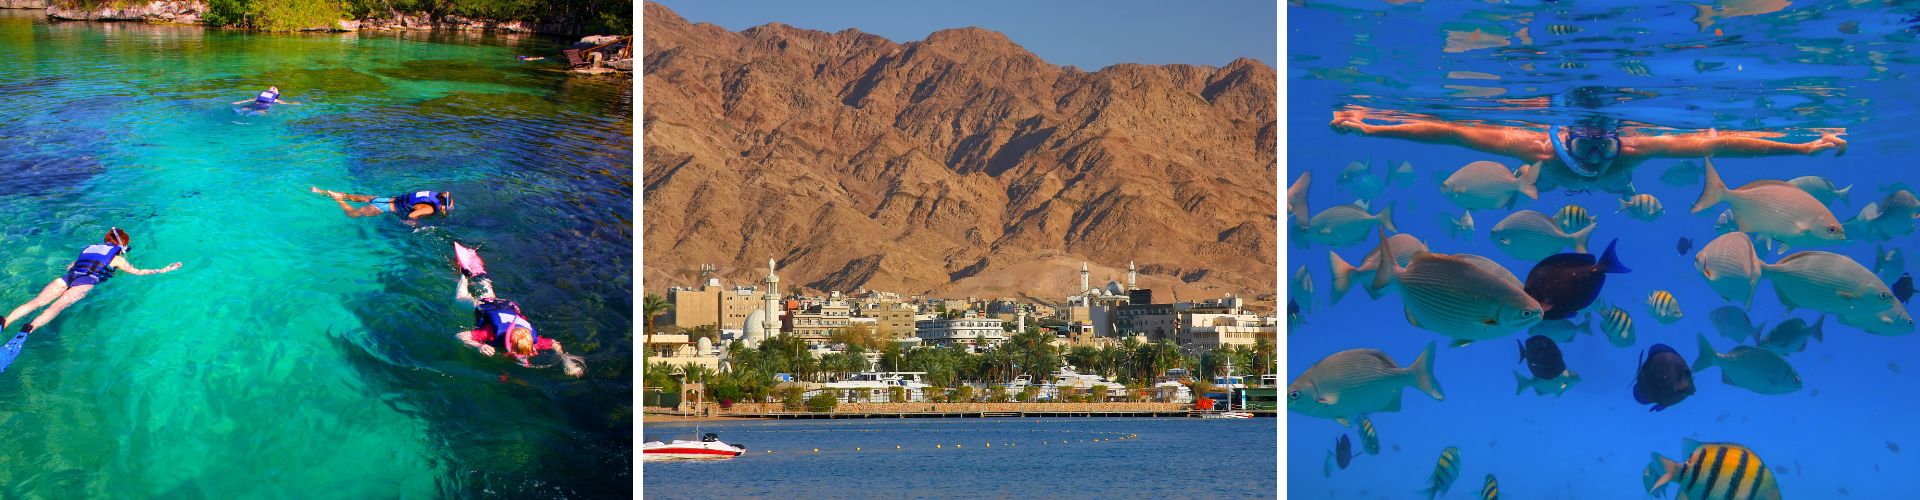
x=654, y=306
x=792, y=397
x=822, y=402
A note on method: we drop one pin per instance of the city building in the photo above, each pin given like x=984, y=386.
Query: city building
x=968, y=329
x=1209, y=331
x=817, y=323
x=712, y=304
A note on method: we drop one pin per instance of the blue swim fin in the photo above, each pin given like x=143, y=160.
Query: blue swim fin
x=12, y=350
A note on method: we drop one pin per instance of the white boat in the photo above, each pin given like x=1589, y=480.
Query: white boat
x=708, y=447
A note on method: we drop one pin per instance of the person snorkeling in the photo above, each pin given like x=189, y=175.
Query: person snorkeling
x=259, y=104
x=95, y=265
x=411, y=206
x=1590, y=152
x=499, y=326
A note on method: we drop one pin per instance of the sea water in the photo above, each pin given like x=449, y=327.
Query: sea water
x=1847, y=433
x=299, y=352
x=974, y=458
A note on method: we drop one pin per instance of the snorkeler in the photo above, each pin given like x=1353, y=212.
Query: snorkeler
x=95, y=265
x=416, y=204
x=1590, y=153
x=259, y=104
x=499, y=327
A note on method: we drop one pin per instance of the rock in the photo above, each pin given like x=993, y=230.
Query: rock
x=621, y=64
x=24, y=4
x=157, y=11
x=598, y=39
x=346, y=25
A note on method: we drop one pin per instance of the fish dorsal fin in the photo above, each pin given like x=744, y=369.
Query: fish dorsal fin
x=1460, y=343
x=1687, y=445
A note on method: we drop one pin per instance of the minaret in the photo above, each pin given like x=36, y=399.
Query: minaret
x=1083, y=277
x=771, y=324
x=1130, y=277
x=1022, y=325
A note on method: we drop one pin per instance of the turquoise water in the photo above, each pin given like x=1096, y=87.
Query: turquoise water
x=299, y=352
x=1792, y=69
x=976, y=458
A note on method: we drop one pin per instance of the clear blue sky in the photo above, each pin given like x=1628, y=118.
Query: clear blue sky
x=1087, y=34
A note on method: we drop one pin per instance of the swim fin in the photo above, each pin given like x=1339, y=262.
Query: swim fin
x=468, y=260
x=12, y=350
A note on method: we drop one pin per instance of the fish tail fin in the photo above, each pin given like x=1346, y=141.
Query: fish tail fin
x=1385, y=267
x=1661, y=472
x=1586, y=327
x=1757, y=330
x=1704, y=360
x=1386, y=218
x=1846, y=194
x=1342, y=277
x=1528, y=175
x=1519, y=384
x=1610, y=261
x=1817, y=324
x=1423, y=374
x=1623, y=205
x=1580, y=238
x=1714, y=191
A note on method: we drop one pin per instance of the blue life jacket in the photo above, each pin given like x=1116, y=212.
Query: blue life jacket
x=267, y=97
x=501, y=316
x=403, y=204
x=96, y=261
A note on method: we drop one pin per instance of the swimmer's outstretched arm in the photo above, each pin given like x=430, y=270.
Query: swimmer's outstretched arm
x=1695, y=145
x=461, y=294
x=1516, y=142
x=572, y=365
x=243, y=101
x=420, y=210
x=121, y=264
x=466, y=337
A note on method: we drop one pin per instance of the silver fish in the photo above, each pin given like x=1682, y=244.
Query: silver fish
x=1888, y=323
x=1403, y=174
x=1297, y=199
x=1359, y=180
x=1829, y=283
x=1775, y=210
x=1483, y=185
x=1822, y=188
x=1555, y=386
x=1300, y=288
x=1891, y=217
x=1346, y=224
x=1563, y=330
x=1462, y=296
x=1733, y=323
x=1356, y=382
x=1642, y=206
x=1791, y=335
x=1531, y=236
x=1750, y=368
x=1461, y=227
x=1731, y=267
x=1344, y=274
x=1725, y=224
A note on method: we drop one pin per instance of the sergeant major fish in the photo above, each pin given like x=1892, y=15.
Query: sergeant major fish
x=1665, y=308
x=1642, y=206
x=1445, y=472
x=1572, y=218
x=1712, y=471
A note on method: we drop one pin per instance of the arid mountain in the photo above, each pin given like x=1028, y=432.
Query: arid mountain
x=959, y=165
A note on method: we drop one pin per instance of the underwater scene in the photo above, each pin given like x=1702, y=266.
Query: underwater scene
x=1573, y=250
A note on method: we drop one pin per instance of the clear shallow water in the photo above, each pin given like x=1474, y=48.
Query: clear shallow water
x=299, y=351
x=1170, y=458
x=1791, y=71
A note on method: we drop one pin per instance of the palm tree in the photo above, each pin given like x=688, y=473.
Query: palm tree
x=1264, y=358
x=654, y=306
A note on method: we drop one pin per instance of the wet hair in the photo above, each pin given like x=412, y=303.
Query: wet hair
x=446, y=199
x=520, y=341
x=117, y=236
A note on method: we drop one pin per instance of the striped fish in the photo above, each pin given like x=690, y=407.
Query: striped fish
x=1665, y=307
x=1491, y=491
x=1617, y=325
x=1713, y=471
x=1444, y=473
x=1635, y=68
x=1641, y=206
x=1573, y=65
x=1462, y=296
x=1562, y=29
x=1573, y=218
x=1368, y=439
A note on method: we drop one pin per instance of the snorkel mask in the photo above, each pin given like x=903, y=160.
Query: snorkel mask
x=1587, y=151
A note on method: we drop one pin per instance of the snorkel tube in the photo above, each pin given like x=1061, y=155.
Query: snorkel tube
x=1560, y=149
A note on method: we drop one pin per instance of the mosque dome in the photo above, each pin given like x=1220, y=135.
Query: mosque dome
x=1113, y=288
x=755, y=330
x=706, y=345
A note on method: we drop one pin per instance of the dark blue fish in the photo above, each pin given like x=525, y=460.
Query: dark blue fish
x=1566, y=283
x=1341, y=455
x=1663, y=378
x=1542, y=357
x=1903, y=288
x=1684, y=245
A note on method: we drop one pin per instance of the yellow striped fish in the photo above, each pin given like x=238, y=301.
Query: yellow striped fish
x=1713, y=471
x=1444, y=473
x=1368, y=439
x=1492, y=489
x=1635, y=68
x=1573, y=65
x=1617, y=325
x=1665, y=307
x=1572, y=218
x=1642, y=206
x=1562, y=29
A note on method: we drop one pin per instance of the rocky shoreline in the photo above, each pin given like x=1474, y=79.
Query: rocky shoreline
x=190, y=11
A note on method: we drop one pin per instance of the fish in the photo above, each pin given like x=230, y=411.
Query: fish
x=1462, y=296
x=1357, y=382
x=1403, y=174
x=1850, y=27
x=1822, y=189
x=1341, y=455
x=1301, y=288
x=1562, y=29
x=1731, y=472
x=1732, y=268
x=1358, y=180
x=1369, y=440
x=1573, y=218
x=1297, y=199
x=1894, y=366
x=1773, y=210
x=1891, y=217
x=1344, y=274
x=1542, y=357
x=1662, y=378
x=1563, y=330
x=1483, y=185
x=1346, y=224
x=1747, y=367
x=1791, y=336
x=1556, y=386
x=1732, y=322
x=1617, y=324
x=1642, y=206
x=1530, y=235
x=1665, y=308
x=1700, y=66
x=1684, y=245
x=1903, y=288
x=1461, y=227
x=1830, y=283
x=1893, y=447
x=1683, y=174
x=1444, y=473
x=1565, y=284
x=1490, y=491
x=1294, y=319
x=1725, y=223
x=1888, y=262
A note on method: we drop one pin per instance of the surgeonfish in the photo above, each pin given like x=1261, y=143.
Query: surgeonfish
x=1617, y=324
x=1903, y=288
x=1297, y=199
x=1683, y=245
x=1344, y=274
x=1346, y=224
x=1774, y=210
x=1642, y=206
x=1821, y=188
x=1713, y=471
x=1748, y=367
x=1491, y=490
x=1731, y=267
x=1662, y=378
x=1462, y=296
x=1529, y=235
x=1542, y=357
x=1567, y=283
x=1341, y=455
x=1444, y=473
x=1562, y=330
x=1357, y=382
x=1732, y=322
x=1665, y=308
x=1369, y=440
x=1791, y=336
x=1483, y=185
x=1573, y=217
x=1358, y=180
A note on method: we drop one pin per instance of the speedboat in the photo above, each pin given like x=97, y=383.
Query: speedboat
x=708, y=447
